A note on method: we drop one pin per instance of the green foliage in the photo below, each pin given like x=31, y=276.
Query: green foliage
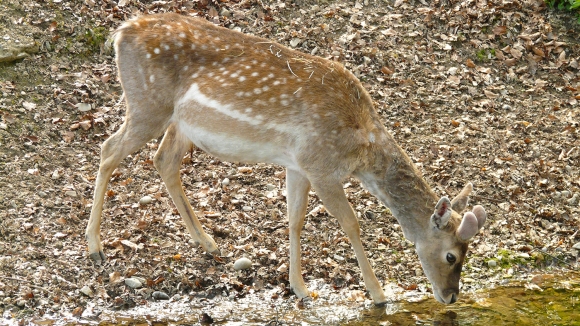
x=567, y=5
x=484, y=55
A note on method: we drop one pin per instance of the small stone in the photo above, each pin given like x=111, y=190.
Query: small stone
x=576, y=246
x=338, y=258
x=159, y=295
x=145, y=200
x=225, y=13
x=295, y=42
x=565, y=193
x=418, y=272
x=573, y=201
x=70, y=193
x=246, y=208
x=225, y=182
x=270, y=187
x=242, y=263
x=506, y=107
x=55, y=175
x=86, y=290
x=491, y=264
x=133, y=283
x=41, y=194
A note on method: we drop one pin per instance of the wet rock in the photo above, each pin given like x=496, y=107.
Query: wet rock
x=242, y=263
x=86, y=290
x=205, y=319
x=145, y=200
x=133, y=283
x=160, y=295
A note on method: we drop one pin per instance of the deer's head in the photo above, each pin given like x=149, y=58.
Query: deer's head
x=443, y=247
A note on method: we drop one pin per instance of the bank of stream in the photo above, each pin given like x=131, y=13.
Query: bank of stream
x=546, y=299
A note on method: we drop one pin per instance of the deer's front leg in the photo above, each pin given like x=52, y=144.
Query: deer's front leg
x=167, y=160
x=297, y=187
x=332, y=195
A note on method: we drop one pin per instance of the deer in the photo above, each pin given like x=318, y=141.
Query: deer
x=243, y=98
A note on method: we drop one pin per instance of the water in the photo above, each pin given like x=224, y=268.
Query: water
x=546, y=300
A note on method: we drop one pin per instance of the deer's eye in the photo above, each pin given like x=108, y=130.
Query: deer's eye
x=451, y=258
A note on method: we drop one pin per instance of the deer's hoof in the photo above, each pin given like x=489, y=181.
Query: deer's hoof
x=381, y=304
x=98, y=257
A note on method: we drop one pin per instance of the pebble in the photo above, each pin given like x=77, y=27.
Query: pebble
x=246, y=208
x=225, y=182
x=225, y=13
x=506, y=107
x=576, y=246
x=242, y=263
x=418, y=272
x=160, y=295
x=86, y=290
x=133, y=283
x=41, y=194
x=70, y=193
x=492, y=263
x=270, y=187
x=145, y=200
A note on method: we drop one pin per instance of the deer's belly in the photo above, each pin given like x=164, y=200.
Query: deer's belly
x=233, y=146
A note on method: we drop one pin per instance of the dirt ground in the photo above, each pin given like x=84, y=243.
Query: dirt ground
x=479, y=91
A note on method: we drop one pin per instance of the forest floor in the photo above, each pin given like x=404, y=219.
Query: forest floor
x=475, y=91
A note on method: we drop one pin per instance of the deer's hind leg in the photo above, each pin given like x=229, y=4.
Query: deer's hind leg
x=132, y=135
x=168, y=161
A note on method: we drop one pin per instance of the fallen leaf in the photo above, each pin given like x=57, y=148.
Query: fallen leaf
x=499, y=30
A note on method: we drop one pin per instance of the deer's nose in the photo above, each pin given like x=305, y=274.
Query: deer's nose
x=453, y=298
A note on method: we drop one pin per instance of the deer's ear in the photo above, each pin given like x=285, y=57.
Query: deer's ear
x=459, y=203
x=468, y=227
x=442, y=213
x=480, y=214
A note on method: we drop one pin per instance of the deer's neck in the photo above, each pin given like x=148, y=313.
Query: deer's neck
x=393, y=178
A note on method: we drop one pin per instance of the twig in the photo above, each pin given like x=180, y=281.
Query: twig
x=486, y=198
x=21, y=280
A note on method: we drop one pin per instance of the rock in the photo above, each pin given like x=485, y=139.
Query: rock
x=159, y=295
x=576, y=246
x=247, y=208
x=295, y=42
x=242, y=263
x=418, y=272
x=491, y=264
x=225, y=13
x=270, y=187
x=133, y=283
x=145, y=200
x=86, y=290
x=225, y=182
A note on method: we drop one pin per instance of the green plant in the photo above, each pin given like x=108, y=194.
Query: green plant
x=567, y=5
